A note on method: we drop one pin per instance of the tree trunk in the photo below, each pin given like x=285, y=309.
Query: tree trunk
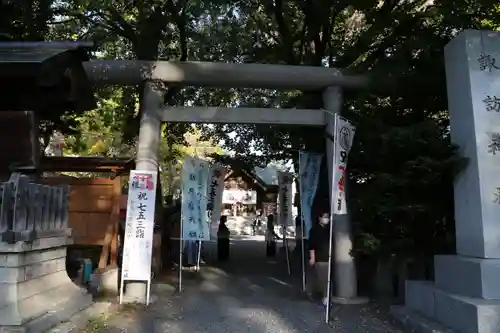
x=170, y=168
x=402, y=276
x=383, y=278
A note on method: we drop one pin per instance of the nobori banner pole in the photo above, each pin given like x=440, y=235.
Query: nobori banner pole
x=148, y=291
x=303, y=250
x=330, y=247
x=198, y=257
x=121, y=286
x=181, y=247
x=287, y=253
x=303, y=256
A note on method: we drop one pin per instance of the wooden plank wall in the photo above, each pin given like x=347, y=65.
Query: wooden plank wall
x=16, y=141
x=94, y=210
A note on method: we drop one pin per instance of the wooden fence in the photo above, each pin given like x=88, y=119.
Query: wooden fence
x=94, y=210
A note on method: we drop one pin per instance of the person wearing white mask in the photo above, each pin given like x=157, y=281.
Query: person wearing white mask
x=319, y=240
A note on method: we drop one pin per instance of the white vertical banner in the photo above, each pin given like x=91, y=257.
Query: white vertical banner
x=285, y=180
x=195, y=221
x=344, y=135
x=309, y=169
x=215, y=191
x=139, y=227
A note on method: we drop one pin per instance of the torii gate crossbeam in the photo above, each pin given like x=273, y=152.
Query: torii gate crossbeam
x=229, y=75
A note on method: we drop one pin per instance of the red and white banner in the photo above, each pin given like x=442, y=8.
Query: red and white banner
x=139, y=225
x=343, y=137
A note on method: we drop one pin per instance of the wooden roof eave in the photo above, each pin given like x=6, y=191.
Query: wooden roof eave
x=78, y=164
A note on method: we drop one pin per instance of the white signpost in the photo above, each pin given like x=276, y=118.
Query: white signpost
x=343, y=136
x=139, y=228
x=285, y=180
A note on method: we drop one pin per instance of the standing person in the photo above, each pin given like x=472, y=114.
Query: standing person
x=319, y=246
x=271, y=237
x=257, y=222
x=191, y=252
x=223, y=239
x=298, y=234
x=119, y=257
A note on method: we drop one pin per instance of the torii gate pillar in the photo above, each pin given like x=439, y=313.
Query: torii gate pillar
x=147, y=159
x=345, y=282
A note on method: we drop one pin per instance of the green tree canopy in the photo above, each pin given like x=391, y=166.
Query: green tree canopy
x=402, y=163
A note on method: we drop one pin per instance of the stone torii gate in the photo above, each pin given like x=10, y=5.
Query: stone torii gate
x=154, y=74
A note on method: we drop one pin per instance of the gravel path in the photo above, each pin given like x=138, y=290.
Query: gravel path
x=249, y=294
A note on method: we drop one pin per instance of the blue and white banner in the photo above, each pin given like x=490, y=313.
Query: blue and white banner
x=309, y=168
x=194, y=215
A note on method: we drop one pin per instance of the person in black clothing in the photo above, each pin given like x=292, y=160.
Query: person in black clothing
x=257, y=222
x=119, y=256
x=298, y=234
x=271, y=237
x=319, y=246
x=223, y=239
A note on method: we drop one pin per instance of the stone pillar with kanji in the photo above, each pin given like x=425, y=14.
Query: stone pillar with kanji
x=466, y=292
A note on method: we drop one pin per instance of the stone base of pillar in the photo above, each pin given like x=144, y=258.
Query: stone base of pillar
x=349, y=301
x=464, y=296
x=35, y=290
x=109, y=281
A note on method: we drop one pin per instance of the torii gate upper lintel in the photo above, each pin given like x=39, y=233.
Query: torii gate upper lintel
x=218, y=74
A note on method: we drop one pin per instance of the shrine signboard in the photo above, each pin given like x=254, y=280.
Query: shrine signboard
x=139, y=226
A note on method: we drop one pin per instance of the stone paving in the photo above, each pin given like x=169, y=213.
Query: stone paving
x=248, y=294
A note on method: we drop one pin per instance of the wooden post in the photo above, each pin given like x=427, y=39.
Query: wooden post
x=115, y=217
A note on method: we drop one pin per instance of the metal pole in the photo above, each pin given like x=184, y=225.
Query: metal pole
x=303, y=250
x=287, y=254
x=181, y=247
x=121, y=284
x=303, y=256
x=198, y=258
x=332, y=203
x=148, y=288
